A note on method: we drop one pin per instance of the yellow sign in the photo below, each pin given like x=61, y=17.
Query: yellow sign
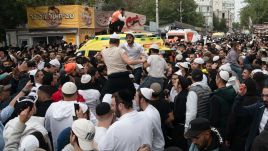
x=66, y=16
x=70, y=38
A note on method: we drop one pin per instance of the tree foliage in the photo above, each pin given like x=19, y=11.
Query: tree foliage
x=256, y=10
x=219, y=24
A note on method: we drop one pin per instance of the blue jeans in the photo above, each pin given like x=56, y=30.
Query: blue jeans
x=137, y=74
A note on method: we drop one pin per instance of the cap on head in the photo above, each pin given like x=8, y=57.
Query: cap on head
x=156, y=87
x=107, y=98
x=216, y=58
x=114, y=36
x=69, y=88
x=197, y=126
x=154, y=46
x=55, y=62
x=147, y=93
x=131, y=34
x=224, y=75
x=85, y=78
x=85, y=132
x=199, y=61
x=69, y=68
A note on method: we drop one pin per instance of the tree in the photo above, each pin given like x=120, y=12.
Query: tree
x=256, y=10
x=236, y=25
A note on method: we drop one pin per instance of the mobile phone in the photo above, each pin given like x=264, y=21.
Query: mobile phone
x=76, y=107
x=32, y=80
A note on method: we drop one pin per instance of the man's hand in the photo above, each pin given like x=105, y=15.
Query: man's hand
x=242, y=90
x=26, y=114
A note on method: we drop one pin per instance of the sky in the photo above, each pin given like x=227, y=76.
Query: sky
x=238, y=5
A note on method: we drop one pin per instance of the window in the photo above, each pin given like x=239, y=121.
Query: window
x=223, y=15
x=208, y=9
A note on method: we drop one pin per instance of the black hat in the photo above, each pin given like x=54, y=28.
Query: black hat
x=24, y=102
x=103, y=108
x=197, y=126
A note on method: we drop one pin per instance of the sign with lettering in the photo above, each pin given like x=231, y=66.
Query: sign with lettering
x=66, y=16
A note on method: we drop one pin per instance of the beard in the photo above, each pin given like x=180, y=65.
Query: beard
x=266, y=104
x=117, y=112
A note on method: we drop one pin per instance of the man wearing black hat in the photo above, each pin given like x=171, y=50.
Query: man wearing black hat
x=203, y=137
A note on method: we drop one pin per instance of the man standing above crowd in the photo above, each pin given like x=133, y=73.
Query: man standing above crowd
x=117, y=21
x=134, y=51
x=156, y=67
x=116, y=60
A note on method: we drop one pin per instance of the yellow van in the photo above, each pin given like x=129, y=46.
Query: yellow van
x=101, y=42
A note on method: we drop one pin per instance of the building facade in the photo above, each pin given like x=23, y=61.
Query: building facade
x=205, y=7
x=225, y=9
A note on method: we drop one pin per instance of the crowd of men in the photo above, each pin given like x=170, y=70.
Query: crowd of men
x=206, y=96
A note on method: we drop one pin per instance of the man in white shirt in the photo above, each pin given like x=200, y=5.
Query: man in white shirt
x=60, y=114
x=132, y=129
x=143, y=97
x=134, y=51
x=197, y=104
x=104, y=116
x=156, y=67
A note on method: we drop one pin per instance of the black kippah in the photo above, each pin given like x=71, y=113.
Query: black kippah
x=103, y=108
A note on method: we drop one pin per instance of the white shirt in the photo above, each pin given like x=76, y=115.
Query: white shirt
x=173, y=94
x=158, y=138
x=134, y=52
x=263, y=120
x=157, y=67
x=131, y=131
x=99, y=133
x=59, y=116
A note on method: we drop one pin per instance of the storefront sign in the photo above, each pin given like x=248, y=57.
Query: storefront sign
x=66, y=16
x=133, y=21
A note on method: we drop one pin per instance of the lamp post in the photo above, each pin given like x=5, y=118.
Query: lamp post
x=156, y=15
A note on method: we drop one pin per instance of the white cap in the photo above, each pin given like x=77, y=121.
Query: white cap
x=33, y=72
x=224, y=75
x=85, y=78
x=114, y=36
x=216, y=58
x=178, y=73
x=80, y=66
x=85, y=132
x=131, y=76
x=154, y=46
x=147, y=93
x=199, y=61
x=225, y=67
x=55, y=62
x=69, y=88
x=130, y=33
x=90, y=95
x=255, y=71
x=188, y=59
x=107, y=98
x=184, y=64
x=179, y=57
x=29, y=143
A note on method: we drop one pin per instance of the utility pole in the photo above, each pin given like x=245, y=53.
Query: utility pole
x=156, y=15
x=181, y=10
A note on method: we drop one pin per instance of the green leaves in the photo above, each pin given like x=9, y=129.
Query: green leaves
x=257, y=10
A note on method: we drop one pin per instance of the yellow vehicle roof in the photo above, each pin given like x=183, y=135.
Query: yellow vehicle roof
x=101, y=42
